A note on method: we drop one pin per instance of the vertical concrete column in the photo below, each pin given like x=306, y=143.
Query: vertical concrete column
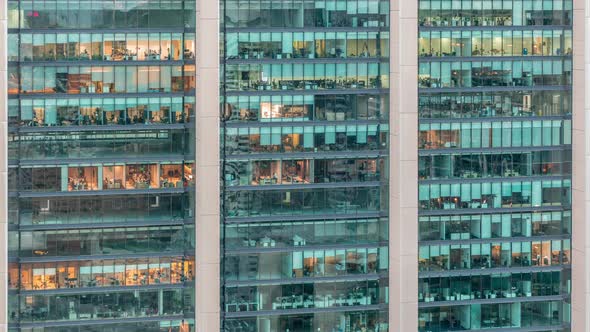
x=207, y=167
x=403, y=173
x=3, y=166
x=581, y=170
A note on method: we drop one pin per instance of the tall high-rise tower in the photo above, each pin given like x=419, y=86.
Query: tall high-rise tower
x=294, y=165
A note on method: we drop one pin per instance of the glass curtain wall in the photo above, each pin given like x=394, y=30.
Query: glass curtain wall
x=305, y=165
x=495, y=164
x=101, y=160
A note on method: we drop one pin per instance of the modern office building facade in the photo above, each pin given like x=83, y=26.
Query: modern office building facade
x=495, y=116
x=100, y=201
x=293, y=165
x=305, y=160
